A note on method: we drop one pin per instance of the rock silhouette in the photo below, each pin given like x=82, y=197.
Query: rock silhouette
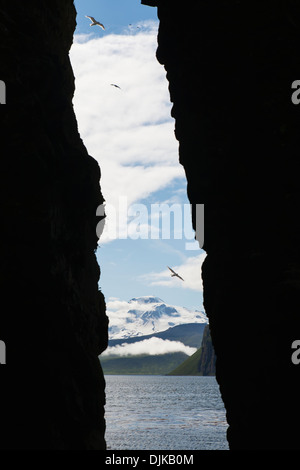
x=230, y=73
x=53, y=319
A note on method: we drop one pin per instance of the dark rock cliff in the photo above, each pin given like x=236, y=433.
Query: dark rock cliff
x=230, y=66
x=53, y=319
x=207, y=360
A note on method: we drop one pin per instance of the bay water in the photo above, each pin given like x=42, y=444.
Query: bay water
x=156, y=412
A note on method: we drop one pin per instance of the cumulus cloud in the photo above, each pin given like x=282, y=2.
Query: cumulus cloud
x=189, y=270
x=129, y=131
x=152, y=346
x=117, y=311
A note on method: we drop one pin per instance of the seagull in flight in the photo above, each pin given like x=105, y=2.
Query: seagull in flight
x=117, y=86
x=95, y=22
x=175, y=274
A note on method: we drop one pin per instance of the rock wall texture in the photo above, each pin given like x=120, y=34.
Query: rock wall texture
x=230, y=66
x=53, y=319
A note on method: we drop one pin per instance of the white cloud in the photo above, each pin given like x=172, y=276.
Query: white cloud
x=117, y=311
x=189, y=270
x=127, y=127
x=152, y=346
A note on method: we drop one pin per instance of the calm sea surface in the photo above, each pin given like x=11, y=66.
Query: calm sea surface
x=153, y=412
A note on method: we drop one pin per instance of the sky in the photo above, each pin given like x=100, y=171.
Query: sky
x=128, y=129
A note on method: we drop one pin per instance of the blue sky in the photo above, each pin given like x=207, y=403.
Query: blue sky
x=114, y=14
x=130, y=132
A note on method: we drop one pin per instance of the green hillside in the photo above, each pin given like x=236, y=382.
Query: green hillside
x=189, y=366
x=143, y=364
x=202, y=362
x=189, y=334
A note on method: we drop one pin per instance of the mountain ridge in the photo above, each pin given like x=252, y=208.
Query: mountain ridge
x=149, y=336
x=147, y=315
x=189, y=334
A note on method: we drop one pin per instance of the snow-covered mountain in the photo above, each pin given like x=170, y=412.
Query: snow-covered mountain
x=146, y=315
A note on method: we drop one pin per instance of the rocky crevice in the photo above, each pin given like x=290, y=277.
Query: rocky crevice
x=230, y=66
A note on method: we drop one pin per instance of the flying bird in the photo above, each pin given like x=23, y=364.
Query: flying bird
x=175, y=274
x=117, y=86
x=95, y=22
